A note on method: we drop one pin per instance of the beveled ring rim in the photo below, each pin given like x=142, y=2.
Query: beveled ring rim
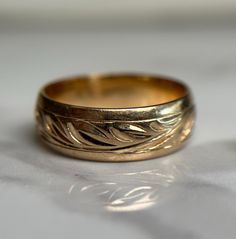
x=67, y=80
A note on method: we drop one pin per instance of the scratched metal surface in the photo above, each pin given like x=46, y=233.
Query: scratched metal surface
x=190, y=194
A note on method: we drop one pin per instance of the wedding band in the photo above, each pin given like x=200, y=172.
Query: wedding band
x=115, y=117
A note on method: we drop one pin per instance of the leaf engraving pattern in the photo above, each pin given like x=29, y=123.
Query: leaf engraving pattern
x=116, y=136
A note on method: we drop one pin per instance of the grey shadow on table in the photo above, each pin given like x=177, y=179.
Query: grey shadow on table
x=118, y=189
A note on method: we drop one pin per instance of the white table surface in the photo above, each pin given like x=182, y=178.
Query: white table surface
x=188, y=195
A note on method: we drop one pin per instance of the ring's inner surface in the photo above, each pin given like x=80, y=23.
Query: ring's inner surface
x=115, y=91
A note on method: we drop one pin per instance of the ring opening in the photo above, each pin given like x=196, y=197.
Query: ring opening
x=115, y=91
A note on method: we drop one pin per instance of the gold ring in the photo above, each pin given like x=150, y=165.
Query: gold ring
x=115, y=117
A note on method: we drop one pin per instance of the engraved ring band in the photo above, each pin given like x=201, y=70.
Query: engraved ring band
x=115, y=117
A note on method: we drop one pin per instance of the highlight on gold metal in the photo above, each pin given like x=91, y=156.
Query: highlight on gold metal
x=115, y=117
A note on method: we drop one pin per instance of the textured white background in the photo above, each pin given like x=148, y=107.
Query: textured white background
x=190, y=194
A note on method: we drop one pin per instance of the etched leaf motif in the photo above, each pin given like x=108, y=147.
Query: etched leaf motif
x=115, y=136
x=131, y=129
x=73, y=134
x=157, y=127
x=90, y=128
x=86, y=138
x=119, y=135
x=170, y=120
x=54, y=127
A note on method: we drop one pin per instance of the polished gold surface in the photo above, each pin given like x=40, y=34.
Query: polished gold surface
x=116, y=117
